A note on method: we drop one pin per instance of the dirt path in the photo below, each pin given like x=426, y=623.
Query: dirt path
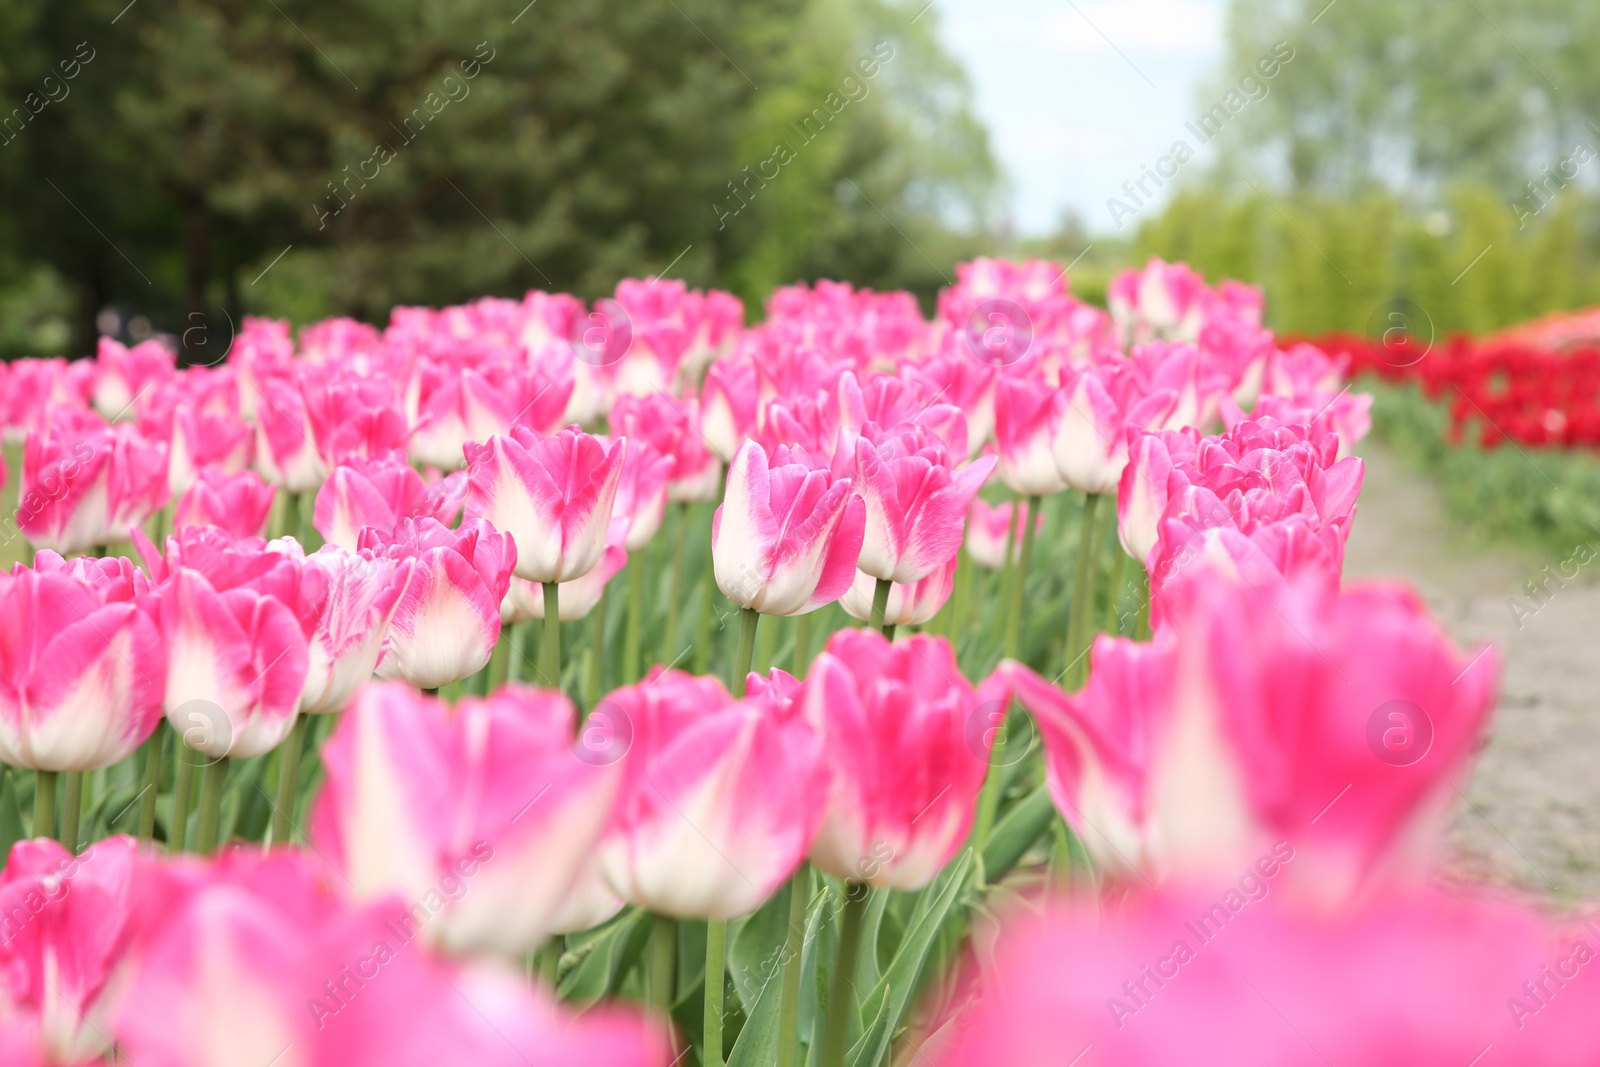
x=1532, y=814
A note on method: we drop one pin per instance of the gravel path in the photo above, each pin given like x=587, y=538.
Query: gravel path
x=1532, y=814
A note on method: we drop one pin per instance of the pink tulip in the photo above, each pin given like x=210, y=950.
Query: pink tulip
x=786, y=538
x=202, y=439
x=895, y=405
x=965, y=383
x=672, y=426
x=989, y=529
x=287, y=453
x=1336, y=721
x=66, y=923
x=34, y=388
x=575, y=599
x=720, y=799
x=642, y=492
x=446, y=625
x=588, y=903
x=236, y=618
x=1240, y=977
x=728, y=402
x=1142, y=492
x=1191, y=554
x=82, y=487
x=464, y=404
x=417, y=790
x=379, y=493
x=1163, y=301
x=916, y=500
x=363, y=593
x=127, y=374
x=256, y=957
x=82, y=664
x=554, y=495
x=908, y=605
x=239, y=503
x=906, y=764
x=1027, y=417
x=1104, y=400
x=664, y=319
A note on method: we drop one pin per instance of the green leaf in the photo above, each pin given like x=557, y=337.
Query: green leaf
x=1021, y=827
x=885, y=1005
x=601, y=958
x=758, y=1040
x=755, y=949
x=11, y=830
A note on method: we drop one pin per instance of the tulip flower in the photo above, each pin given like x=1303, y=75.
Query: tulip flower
x=1161, y=301
x=720, y=798
x=728, y=402
x=362, y=594
x=465, y=404
x=236, y=618
x=239, y=503
x=286, y=448
x=202, y=439
x=256, y=957
x=1103, y=402
x=379, y=493
x=1142, y=491
x=589, y=903
x=553, y=495
x=66, y=923
x=642, y=492
x=989, y=529
x=36, y=388
x=1240, y=976
x=82, y=664
x=419, y=792
x=915, y=498
x=447, y=622
x=1027, y=417
x=85, y=487
x=125, y=375
x=908, y=605
x=672, y=427
x=896, y=721
x=786, y=538
x=1244, y=724
x=577, y=598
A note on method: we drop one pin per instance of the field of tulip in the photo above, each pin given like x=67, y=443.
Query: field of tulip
x=528, y=682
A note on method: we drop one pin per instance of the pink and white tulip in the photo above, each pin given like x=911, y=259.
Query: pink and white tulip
x=989, y=530
x=125, y=375
x=908, y=605
x=239, y=503
x=1027, y=417
x=362, y=594
x=642, y=492
x=720, y=798
x=575, y=599
x=447, y=622
x=379, y=493
x=82, y=664
x=907, y=765
x=84, y=486
x=786, y=539
x=673, y=428
x=553, y=495
x=417, y=790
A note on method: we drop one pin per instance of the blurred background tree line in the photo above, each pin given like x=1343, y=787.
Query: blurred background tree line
x=607, y=139
x=590, y=142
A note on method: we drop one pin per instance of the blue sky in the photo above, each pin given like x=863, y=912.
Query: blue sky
x=1078, y=94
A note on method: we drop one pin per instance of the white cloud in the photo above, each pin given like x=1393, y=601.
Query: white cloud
x=1058, y=140
x=1169, y=26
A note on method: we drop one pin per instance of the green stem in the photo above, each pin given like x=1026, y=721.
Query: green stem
x=989, y=797
x=1119, y=564
x=205, y=834
x=680, y=538
x=151, y=785
x=550, y=643
x=499, y=662
x=748, y=617
x=961, y=599
x=518, y=655
x=841, y=1002
x=288, y=782
x=1141, y=629
x=597, y=651
x=880, y=603
x=1008, y=570
x=663, y=963
x=549, y=962
x=702, y=639
x=802, y=644
x=44, y=804
x=888, y=630
x=716, y=985
x=182, y=791
x=1013, y=634
x=1077, y=613
x=793, y=946
x=633, y=634
x=71, y=808
x=1088, y=563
